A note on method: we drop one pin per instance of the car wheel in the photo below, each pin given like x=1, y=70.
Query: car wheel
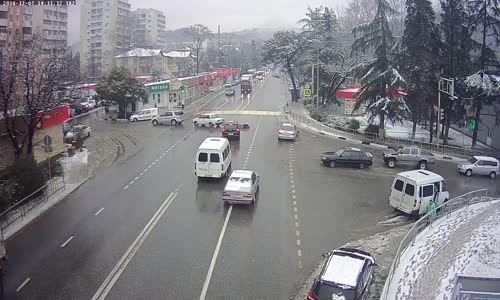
x=361, y=165
x=391, y=163
x=134, y=120
x=493, y=175
x=422, y=165
x=331, y=164
x=195, y=123
x=155, y=122
x=211, y=124
x=173, y=122
x=468, y=173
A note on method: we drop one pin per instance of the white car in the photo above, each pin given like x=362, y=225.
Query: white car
x=145, y=114
x=287, y=131
x=79, y=130
x=241, y=187
x=480, y=165
x=210, y=120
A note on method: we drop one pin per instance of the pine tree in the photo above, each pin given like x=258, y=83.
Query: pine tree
x=379, y=76
x=486, y=14
x=456, y=62
x=418, y=59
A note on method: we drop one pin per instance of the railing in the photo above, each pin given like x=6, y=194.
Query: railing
x=24, y=206
x=443, y=210
x=374, y=138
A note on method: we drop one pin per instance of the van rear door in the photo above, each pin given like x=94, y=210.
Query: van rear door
x=396, y=193
x=202, y=163
x=409, y=197
x=215, y=165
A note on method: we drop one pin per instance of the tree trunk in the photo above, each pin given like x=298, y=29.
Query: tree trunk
x=431, y=125
x=381, y=130
x=476, y=118
x=414, y=127
x=31, y=134
x=447, y=124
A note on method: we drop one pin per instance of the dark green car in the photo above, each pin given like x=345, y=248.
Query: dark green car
x=347, y=156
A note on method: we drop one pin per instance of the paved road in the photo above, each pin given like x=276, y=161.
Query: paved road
x=144, y=227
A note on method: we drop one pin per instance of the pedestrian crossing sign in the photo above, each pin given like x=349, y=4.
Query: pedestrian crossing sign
x=307, y=92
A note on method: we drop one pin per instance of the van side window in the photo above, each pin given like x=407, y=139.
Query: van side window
x=398, y=185
x=428, y=191
x=444, y=188
x=203, y=157
x=214, y=157
x=410, y=189
x=224, y=154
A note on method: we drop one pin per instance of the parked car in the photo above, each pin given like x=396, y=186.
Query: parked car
x=347, y=274
x=231, y=130
x=409, y=155
x=172, y=117
x=210, y=120
x=145, y=114
x=211, y=89
x=347, y=156
x=77, y=109
x=83, y=131
x=287, y=131
x=234, y=82
x=481, y=165
x=241, y=187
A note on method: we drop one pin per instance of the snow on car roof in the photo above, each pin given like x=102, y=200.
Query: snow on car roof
x=241, y=173
x=343, y=270
x=478, y=157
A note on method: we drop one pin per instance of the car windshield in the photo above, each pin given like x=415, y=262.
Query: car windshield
x=339, y=152
x=472, y=160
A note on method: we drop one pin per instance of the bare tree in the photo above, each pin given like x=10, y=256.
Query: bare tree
x=30, y=85
x=200, y=33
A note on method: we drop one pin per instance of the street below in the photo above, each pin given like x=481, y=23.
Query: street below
x=144, y=226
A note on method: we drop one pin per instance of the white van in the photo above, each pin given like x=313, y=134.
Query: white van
x=213, y=158
x=412, y=190
x=145, y=114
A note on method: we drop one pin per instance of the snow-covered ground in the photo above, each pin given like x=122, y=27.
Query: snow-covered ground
x=465, y=243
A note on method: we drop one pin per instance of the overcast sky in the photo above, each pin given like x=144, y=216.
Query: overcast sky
x=231, y=15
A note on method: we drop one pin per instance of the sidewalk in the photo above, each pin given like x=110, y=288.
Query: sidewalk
x=465, y=243
x=300, y=116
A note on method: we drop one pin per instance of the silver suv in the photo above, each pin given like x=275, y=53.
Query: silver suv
x=481, y=165
x=172, y=117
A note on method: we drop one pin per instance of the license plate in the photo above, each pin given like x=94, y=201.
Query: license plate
x=229, y=134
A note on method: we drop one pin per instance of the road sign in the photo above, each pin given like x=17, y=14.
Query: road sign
x=47, y=141
x=48, y=149
x=307, y=92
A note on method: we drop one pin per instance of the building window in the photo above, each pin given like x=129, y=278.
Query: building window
x=3, y=15
x=159, y=98
x=26, y=30
x=47, y=22
x=3, y=29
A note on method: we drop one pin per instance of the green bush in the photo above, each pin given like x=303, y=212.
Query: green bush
x=354, y=124
x=372, y=129
x=28, y=176
x=9, y=189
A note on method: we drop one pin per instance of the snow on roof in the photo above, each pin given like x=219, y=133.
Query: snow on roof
x=213, y=143
x=479, y=157
x=141, y=52
x=343, y=270
x=179, y=53
x=420, y=176
x=242, y=173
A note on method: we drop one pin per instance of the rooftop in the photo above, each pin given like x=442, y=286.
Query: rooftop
x=141, y=52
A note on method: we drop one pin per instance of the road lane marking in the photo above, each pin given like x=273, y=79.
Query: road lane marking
x=296, y=217
x=99, y=211
x=23, y=284
x=137, y=177
x=298, y=242
x=295, y=209
x=126, y=187
x=142, y=173
x=293, y=191
x=67, y=242
x=294, y=203
x=297, y=233
x=294, y=197
x=300, y=264
x=214, y=257
x=297, y=224
x=156, y=160
x=120, y=266
x=132, y=182
x=299, y=253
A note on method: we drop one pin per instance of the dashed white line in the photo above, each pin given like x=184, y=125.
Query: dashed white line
x=297, y=224
x=293, y=191
x=156, y=160
x=216, y=253
x=296, y=217
x=294, y=203
x=126, y=187
x=293, y=186
x=294, y=197
x=67, y=242
x=99, y=211
x=132, y=182
x=300, y=264
x=153, y=163
x=292, y=181
x=295, y=209
x=23, y=284
x=299, y=253
x=298, y=242
x=297, y=233
x=142, y=173
x=150, y=166
x=137, y=177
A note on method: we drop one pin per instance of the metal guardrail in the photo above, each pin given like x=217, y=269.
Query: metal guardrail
x=443, y=210
x=24, y=206
x=374, y=138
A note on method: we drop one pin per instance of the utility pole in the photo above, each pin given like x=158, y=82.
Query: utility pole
x=312, y=81
x=317, y=81
x=218, y=45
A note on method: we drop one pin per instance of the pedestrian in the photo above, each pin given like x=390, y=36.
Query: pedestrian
x=431, y=208
x=182, y=106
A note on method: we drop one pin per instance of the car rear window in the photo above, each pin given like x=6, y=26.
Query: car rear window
x=326, y=291
x=410, y=189
x=179, y=113
x=287, y=127
x=231, y=127
x=214, y=157
x=398, y=185
x=203, y=157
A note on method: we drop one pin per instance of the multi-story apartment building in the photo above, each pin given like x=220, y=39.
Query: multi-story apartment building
x=15, y=19
x=105, y=32
x=150, y=28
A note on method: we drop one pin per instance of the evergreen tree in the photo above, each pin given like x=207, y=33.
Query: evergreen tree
x=486, y=15
x=456, y=62
x=379, y=75
x=420, y=44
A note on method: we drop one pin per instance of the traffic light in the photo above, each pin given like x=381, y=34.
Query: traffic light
x=442, y=114
x=183, y=89
x=472, y=124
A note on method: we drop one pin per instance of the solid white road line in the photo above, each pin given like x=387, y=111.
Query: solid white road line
x=214, y=257
x=99, y=211
x=23, y=284
x=67, y=242
x=120, y=266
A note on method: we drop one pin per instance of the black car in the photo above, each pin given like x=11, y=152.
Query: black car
x=347, y=156
x=347, y=274
x=231, y=129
